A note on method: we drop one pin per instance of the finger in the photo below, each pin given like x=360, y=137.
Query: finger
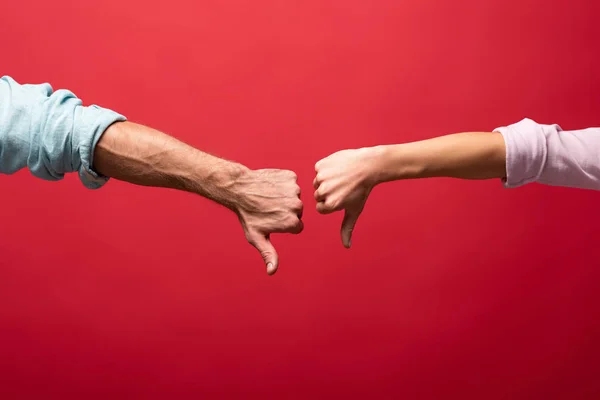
x=317, y=182
x=297, y=228
x=320, y=195
x=291, y=225
x=267, y=252
x=348, y=224
x=317, y=165
x=297, y=206
x=323, y=208
x=300, y=211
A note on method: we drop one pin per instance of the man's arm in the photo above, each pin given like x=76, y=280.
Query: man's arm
x=521, y=153
x=51, y=133
x=266, y=201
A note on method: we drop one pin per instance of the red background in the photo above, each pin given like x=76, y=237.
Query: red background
x=452, y=290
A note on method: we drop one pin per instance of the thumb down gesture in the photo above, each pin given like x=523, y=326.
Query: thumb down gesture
x=343, y=182
x=270, y=204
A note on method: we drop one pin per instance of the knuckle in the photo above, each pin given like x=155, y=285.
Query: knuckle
x=324, y=208
x=265, y=254
x=291, y=221
x=331, y=203
x=347, y=229
x=293, y=203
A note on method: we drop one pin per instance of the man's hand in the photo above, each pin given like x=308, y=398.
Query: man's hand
x=343, y=182
x=267, y=201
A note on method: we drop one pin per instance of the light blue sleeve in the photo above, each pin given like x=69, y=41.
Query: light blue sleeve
x=50, y=133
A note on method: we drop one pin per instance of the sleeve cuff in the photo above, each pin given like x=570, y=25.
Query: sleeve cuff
x=95, y=120
x=526, y=152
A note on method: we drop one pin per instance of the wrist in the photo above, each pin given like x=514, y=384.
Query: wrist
x=218, y=182
x=226, y=182
x=397, y=162
x=377, y=157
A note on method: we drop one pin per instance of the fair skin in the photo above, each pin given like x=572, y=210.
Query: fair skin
x=266, y=201
x=345, y=179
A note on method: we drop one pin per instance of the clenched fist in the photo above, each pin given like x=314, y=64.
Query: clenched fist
x=343, y=182
x=268, y=202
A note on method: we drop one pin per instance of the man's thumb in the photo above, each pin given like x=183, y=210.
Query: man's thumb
x=348, y=224
x=267, y=252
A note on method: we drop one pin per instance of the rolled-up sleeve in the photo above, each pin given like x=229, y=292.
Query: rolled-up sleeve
x=50, y=132
x=549, y=155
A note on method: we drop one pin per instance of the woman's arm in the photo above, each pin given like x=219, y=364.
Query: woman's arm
x=471, y=155
x=521, y=153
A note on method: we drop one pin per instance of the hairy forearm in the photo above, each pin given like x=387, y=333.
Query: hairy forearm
x=144, y=156
x=472, y=155
x=266, y=201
